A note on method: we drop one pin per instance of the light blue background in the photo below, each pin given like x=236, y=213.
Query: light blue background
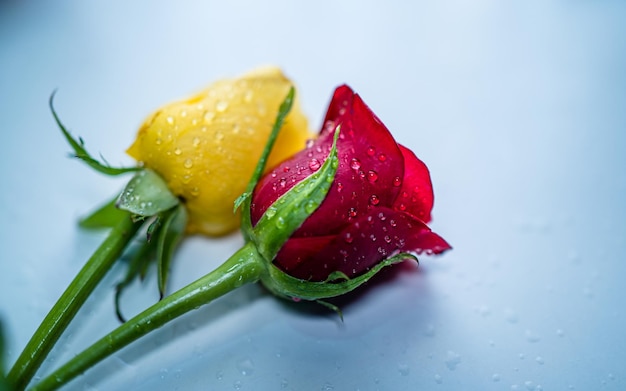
x=518, y=108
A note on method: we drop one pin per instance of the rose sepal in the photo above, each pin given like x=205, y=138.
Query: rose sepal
x=290, y=211
x=283, y=285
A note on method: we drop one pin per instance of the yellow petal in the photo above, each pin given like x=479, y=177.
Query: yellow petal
x=206, y=147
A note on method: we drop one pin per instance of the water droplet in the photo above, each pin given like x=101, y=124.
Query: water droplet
x=219, y=136
x=438, y=379
x=314, y=164
x=209, y=116
x=158, y=141
x=372, y=176
x=495, y=377
x=270, y=212
x=539, y=360
x=196, y=141
x=245, y=366
x=248, y=95
x=339, y=187
x=188, y=163
x=348, y=237
x=529, y=385
x=355, y=164
x=352, y=212
x=404, y=369
x=195, y=191
x=328, y=387
x=280, y=223
x=296, y=299
x=310, y=206
x=371, y=151
x=452, y=360
x=178, y=151
x=510, y=316
x=560, y=332
x=531, y=337
x=374, y=200
x=285, y=169
x=392, y=223
x=382, y=157
x=237, y=385
x=221, y=106
x=170, y=120
x=387, y=239
x=397, y=181
x=402, y=207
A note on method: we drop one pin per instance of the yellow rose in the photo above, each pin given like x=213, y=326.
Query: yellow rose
x=206, y=147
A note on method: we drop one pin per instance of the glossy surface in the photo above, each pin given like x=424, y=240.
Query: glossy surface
x=517, y=109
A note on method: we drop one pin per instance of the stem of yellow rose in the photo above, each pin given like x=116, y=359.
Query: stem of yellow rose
x=245, y=266
x=70, y=302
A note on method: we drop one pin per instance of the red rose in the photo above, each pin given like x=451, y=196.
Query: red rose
x=377, y=206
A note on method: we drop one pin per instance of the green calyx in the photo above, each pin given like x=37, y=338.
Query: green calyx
x=337, y=284
x=145, y=197
x=290, y=211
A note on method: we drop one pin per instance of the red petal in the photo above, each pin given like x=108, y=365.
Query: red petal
x=416, y=196
x=365, y=243
x=297, y=250
x=370, y=162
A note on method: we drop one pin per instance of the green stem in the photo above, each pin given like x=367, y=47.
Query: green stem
x=70, y=302
x=245, y=266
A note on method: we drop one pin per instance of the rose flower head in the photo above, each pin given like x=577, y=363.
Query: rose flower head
x=206, y=147
x=376, y=208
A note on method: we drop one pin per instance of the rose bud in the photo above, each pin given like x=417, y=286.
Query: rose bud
x=376, y=209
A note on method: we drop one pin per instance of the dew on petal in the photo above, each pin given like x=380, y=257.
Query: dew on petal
x=397, y=182
x=314, y=164
x=348, y=237
x=285, y=169
x=372, y=176
x=178, y=152
x=382, y=157
x=352, y=212
x=196, y=141
x=188, y=163
x=355, y=164
x=209, y=116
x=170, y=120
x=221, y=106
x=374, y=200
x=371, y=151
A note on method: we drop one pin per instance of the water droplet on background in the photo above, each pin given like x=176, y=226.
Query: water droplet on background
x=404, y=369
x=245, y=366
x=453, y=359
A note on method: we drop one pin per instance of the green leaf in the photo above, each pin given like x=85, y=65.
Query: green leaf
x=286, y=286
x=169, y=235
x=288, y=213
x=244, y=199
x=81, y=153
x=146, y=194
x=107, y=216
x=139, y=260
